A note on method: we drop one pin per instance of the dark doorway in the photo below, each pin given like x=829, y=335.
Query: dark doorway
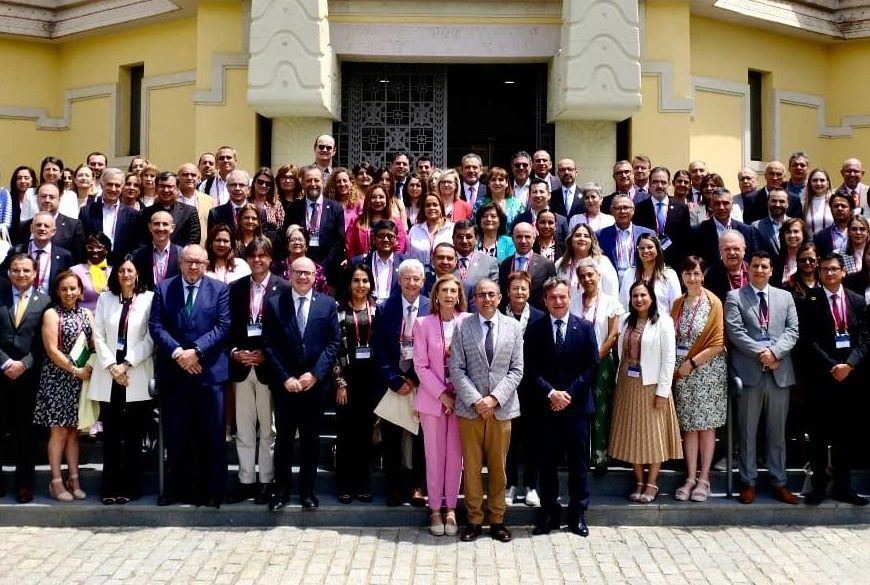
x=495, y=111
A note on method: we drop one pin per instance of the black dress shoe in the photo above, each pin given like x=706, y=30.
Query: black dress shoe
x=212, y=503
x=471, y=532
x=365, y=498
x=278, y=500
x=25, y=495
x=310, y=502
x=579, y=526
x=264, y=494
x=345, y=499
x=815, y=497
x=418, y=500
x=500, y=532
x=394, y=499
x=545, y=524
x=242, y=492
x=165, y=500
x=850, y=497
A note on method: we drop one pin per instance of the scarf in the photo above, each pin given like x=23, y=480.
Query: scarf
x=713, y=333
x=98, y=276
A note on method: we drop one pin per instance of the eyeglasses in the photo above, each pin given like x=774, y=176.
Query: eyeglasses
x=236, y=185
x=807, y=260
x=228, y=157
x=829, y=269
x=324, y=147
x=488, y=294
x=622, y=208
x=303, y=273
x=385, y=236
x=195, y=262
x=264, y=182
x=521, y=165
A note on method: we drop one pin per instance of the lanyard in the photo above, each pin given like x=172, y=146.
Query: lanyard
x=763, y=316
x=463, y=271
x=376, y=272
x=840, y=321
x=160, y=273
x=111, y=232
x=586, y=310
x=43, y=268
x=444, y=343
x=624, y=256
x=122, y=330
x=314, y=218
x=744, y=278
x=811, y=214
x=695, y=306
x=257, y=301
x=631, y=333
x=431, y=237
x=356, y=327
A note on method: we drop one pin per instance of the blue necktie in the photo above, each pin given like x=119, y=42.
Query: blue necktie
x=660, y=216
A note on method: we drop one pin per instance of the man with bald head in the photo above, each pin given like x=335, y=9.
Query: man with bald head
x=68, y=233
x=49, y=258
x=852, y=172
x=188, y=178
x=107, y=216
x=729, y=271
x=525, y=260
x=618, y=241
x=300, y=341
x=239, y=187
x=755, y=205
x=158, y=259
x=190, y=322
x=567, y=201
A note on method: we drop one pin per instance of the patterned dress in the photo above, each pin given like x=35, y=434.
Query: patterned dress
x=57, y=399
x=701, y=398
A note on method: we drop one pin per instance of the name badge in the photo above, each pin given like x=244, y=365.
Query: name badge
x=122, y=344
x=314, y=241
x=406, y=352
x=634, y=371
x=682, y=351
x=255, y=329
x=666, y=242
x=363, y=353
x=764, y=339
x=842, y=340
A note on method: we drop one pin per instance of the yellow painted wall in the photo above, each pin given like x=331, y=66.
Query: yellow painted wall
x=715, y=133
x=848, y=74
x=172, y=128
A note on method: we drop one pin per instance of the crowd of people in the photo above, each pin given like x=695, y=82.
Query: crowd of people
x=512, y=319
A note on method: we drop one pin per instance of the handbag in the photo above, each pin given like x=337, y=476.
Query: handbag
x=89, y=410
x=399, y=410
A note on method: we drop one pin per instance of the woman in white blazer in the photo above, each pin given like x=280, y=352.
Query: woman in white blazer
x=645, y=431
x=120, y=380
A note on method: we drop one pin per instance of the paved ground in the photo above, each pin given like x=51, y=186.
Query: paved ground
x=630, y=555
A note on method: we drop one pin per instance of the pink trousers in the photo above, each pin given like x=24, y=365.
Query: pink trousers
x=443, y=459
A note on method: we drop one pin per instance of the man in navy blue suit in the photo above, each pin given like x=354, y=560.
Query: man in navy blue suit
x=618, y=240
x=708, y=232
x=394, y=352
x=110, y=217
x=384, y=260
x=190, y=322
x=562, y=358
x=301, y=341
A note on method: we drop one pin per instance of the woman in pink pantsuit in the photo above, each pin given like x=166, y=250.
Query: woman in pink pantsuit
x=435, y=401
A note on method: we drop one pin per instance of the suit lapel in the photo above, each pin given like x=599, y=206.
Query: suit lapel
x=477, y=337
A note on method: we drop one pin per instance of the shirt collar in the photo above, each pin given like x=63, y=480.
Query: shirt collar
x=720, y=225
x=297, y=296
x=564, y=320
x=406, y=304
x=483, y=319
x=765, y=290
x=195, y=285
x=22, y=294
x=839, y=293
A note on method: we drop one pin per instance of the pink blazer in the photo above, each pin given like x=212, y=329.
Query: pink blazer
x=429, y=362
x=357, y=240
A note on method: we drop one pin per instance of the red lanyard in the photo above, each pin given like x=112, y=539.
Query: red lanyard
x=444, y=346
x=377, y=271
x=840, y=322
x=586, y=311
x=695, y=307
x=356, y=326
x=259, y=315
x=744, y=278
x=123, y=329
x=631, y=333
x=160, y=274
x=623, y=254
x=314, y=218
x=463, y=271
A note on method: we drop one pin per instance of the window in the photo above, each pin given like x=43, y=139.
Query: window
x=756, y=115
x=129, y=139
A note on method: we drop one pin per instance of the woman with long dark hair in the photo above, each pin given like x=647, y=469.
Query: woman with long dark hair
x=376, y=206
x=264, y=196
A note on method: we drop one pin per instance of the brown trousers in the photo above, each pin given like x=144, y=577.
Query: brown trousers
x=484, y=440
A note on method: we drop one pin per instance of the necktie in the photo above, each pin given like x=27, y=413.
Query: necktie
x=409, y=324
x=471, y=195
x=300, y=315
x=236, y=212
x=639, y=193
x=560, y=337
x=838, y=316
x=660, y=216
x=763, y=314
x=463, y=268
x=37, y=258
x=567, y=196
x=188, y=304
x=312, y=220
x=22, y=307
x=521, y=262
x=488, y=346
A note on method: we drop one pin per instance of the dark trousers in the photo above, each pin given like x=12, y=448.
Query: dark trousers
x=568, y=434
x=832, y=421
x=124, y=425
x=355, y=422
x=193, y=422
x=401, y=480
x=523, y=449
x=17, y=401
x=301, y=412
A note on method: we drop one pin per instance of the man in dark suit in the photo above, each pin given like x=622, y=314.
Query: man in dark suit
x=239, y=188
x=186, y=220
x=567, y=201
x=471, y=265
x=393, y=353
x=618, y=240
x=50, y=259
x=762, y=326
x=561, y=354
x=834, y=334
x=384, y=261
x=301, y=341
x=542, y=168
x=730, y=271
x=852, y=172
x=159, y=259
x=68, y=233
x=250, y=373
x=189, y=322
x=768, y=227
x=667, y=216
x=524, y=259
x=324, y=220
x=755, y=206
x=110, y=217
x=471, y=187
x=622, y=178
x=709, y=231
x=834, y=237
x=399, y=170
x=21, y=310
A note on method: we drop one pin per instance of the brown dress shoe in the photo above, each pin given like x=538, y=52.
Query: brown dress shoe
x=783, y=494
x=25, y=495
x=471, y=532
x=418, y=500
x=747, y=494
x=500, y=533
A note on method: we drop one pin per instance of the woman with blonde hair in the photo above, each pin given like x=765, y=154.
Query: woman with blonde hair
x=455, y=209
x=817, y=211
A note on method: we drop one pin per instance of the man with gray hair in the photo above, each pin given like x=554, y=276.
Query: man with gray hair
x=239, y=187
x=185, y=218
x=50, y=260
x=709, y=231
x=108, y=216
x=69, y=233
x=471, y=189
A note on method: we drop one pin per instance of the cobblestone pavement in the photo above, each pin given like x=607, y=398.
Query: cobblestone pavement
x=839, y=555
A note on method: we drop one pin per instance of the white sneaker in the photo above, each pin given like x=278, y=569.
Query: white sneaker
x=532, y=498
x=509, y=495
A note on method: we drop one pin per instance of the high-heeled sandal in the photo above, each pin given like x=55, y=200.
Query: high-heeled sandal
x=647, y=499
x=62, y=495
x=701, y=491
x=638, y=491
x=684, y=491
x=436, y=524
x=450, y=526
x=77, y=493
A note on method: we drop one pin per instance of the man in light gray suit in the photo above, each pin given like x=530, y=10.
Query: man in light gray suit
x=486, y=366
x=762, y=324
x=471, y=264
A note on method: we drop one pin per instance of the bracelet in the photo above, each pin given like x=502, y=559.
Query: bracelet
x=693, y=364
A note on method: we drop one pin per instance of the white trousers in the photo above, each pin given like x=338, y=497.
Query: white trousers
x=253, y=407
